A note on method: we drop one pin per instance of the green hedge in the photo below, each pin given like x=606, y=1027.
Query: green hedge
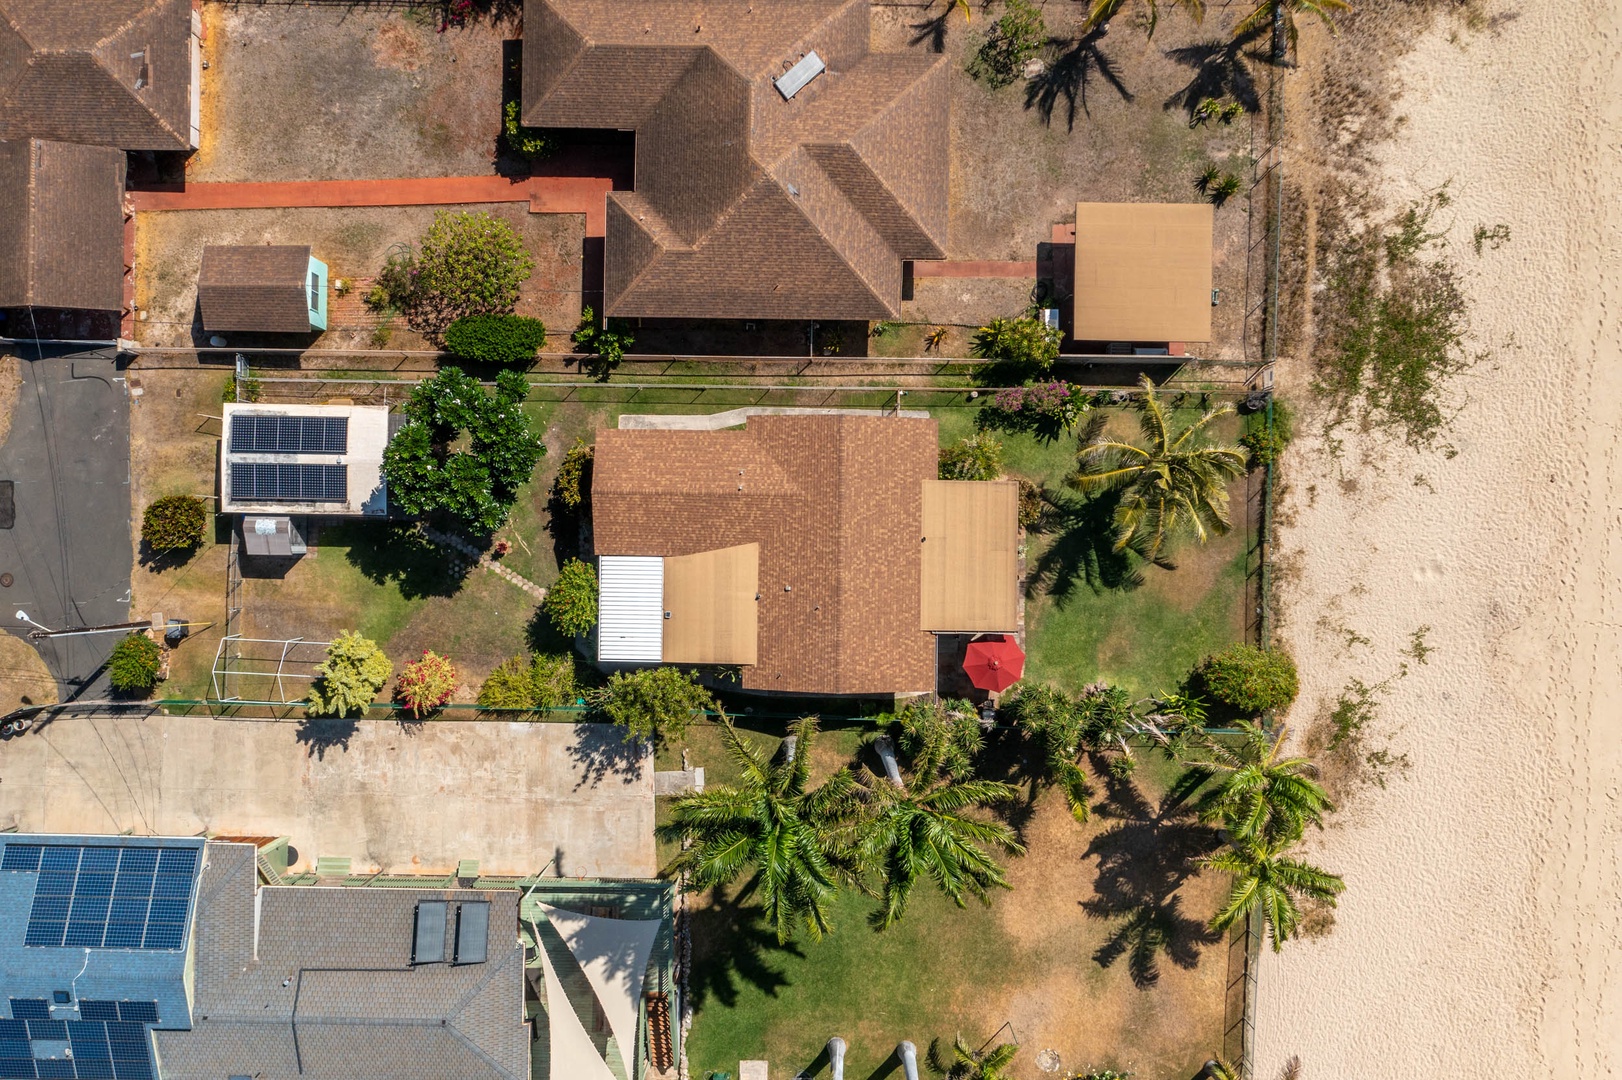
x=133, y=667
x=174, y=523
x=1251, y=679
x=496, y=339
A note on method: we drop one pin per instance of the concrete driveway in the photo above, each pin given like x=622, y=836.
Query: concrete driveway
x=69, y=553
x=514, y=796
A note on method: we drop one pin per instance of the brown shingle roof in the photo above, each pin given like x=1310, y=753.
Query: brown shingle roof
x=107, y=72
x=255, y=287
x=61, y=225
x=746, y=205
x=353, y=1007
x=835, y=504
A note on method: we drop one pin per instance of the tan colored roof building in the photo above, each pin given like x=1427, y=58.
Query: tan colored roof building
x=1143, y=272
x=61, y=225
x=826, y=517
x=272, y=288
x=782, y=170
x=118, y=73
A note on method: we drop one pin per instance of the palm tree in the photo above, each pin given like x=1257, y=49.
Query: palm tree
x=1174, y=485
x=969, y=1064
x=1266, y=880
x=1053, y=721
x=1258, y=796
x=1103, y=11
x=774, y=822
x=921, y=830
x=1280, y=14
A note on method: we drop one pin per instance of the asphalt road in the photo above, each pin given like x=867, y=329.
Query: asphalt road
x=69, y=553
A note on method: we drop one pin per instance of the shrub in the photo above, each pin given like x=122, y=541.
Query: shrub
x=606, y=343
x=426, y=684
x=571, y=602
x=527, y=143
x=978, y=457
x=1033, y=506
x=467, y=264
x=653, y=703
x=477, y=485
x=1047, y=410
x=349, y=679
x=134, y=665
x=1250, y=679
x=496, y=339
x=1266, y=445
x=251, y=389
x=1025, y=341
x=396, y=284
x=508, y=686
x=544, y=681
x=1014, y=39
x=573, y=485
x=174, y=523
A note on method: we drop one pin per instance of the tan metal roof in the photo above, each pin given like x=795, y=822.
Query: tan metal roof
x=970, y=572
x=711, y=605
x=1143, y=272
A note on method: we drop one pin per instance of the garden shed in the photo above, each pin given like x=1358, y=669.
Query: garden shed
x=268, y=288
x=1143, y=272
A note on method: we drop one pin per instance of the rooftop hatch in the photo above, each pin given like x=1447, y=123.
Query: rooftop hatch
x=793, y=80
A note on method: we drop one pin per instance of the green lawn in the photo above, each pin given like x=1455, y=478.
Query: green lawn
x=1095, y=614
x=1098, y=952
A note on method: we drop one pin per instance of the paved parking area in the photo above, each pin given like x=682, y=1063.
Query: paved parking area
x=514, y=796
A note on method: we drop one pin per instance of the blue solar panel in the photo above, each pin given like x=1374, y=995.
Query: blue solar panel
x=47, y=1029
x=99, y=1010
x=141, y=1012
x=55, y=1070
x=276, y=482
x=30, y=1009
x=20, y=857
x=15, y=1048
x=100, y=1069
x=259, y=434
x=17, y=1068
x=106, y=897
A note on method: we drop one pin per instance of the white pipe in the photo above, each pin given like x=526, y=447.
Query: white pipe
x=789, y=745
x=886, y=753
x=836, y=1058
x=908, y=1054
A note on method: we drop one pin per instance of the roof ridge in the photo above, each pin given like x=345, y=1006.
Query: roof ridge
x=455, y=1013
x=829, y=241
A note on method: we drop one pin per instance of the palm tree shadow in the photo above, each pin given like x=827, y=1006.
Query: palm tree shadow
x=1143, y=860
x=1068, y=78
x=931, y=30
x=1220, y=70
x=733, y=946
x=1083, y=551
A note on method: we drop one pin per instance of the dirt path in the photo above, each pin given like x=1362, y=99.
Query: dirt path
x=1480, y=931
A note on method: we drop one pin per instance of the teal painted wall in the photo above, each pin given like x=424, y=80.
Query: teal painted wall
x=316, y=286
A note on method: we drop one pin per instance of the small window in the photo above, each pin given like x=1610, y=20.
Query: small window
x=315, y=292
x=62, y=997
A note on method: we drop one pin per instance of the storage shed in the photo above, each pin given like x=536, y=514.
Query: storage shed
x=268, y=288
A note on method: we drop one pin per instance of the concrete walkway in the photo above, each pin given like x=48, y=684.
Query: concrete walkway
x=974, y=269
x=545, y=194
x=734, y=417
x=396, y=798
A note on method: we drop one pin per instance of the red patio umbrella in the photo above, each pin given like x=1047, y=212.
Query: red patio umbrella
x=994, y=664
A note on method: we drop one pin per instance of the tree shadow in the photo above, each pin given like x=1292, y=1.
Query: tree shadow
x=733, y=947
x=400, y=555
x=1144, y=858
x=932, y=31
x=1069, y=76
x=1083, y=551
x=318, y=735
x=601, y=751
x=150, y=558
x=1220, y=70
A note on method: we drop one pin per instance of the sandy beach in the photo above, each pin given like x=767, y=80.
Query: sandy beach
x=1481, y=930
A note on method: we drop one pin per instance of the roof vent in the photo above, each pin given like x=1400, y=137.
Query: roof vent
x=794, y=79
x=429, y=944
x=472, y=932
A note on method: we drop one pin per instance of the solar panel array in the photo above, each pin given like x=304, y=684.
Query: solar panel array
x=106, y=897
x=267, y=482
x=109, y=1043
x=258, y=434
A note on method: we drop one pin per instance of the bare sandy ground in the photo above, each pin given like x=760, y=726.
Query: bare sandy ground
x=1480, y=932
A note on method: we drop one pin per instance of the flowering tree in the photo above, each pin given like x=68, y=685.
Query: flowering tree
x=1047, y=410
x=427, y=684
